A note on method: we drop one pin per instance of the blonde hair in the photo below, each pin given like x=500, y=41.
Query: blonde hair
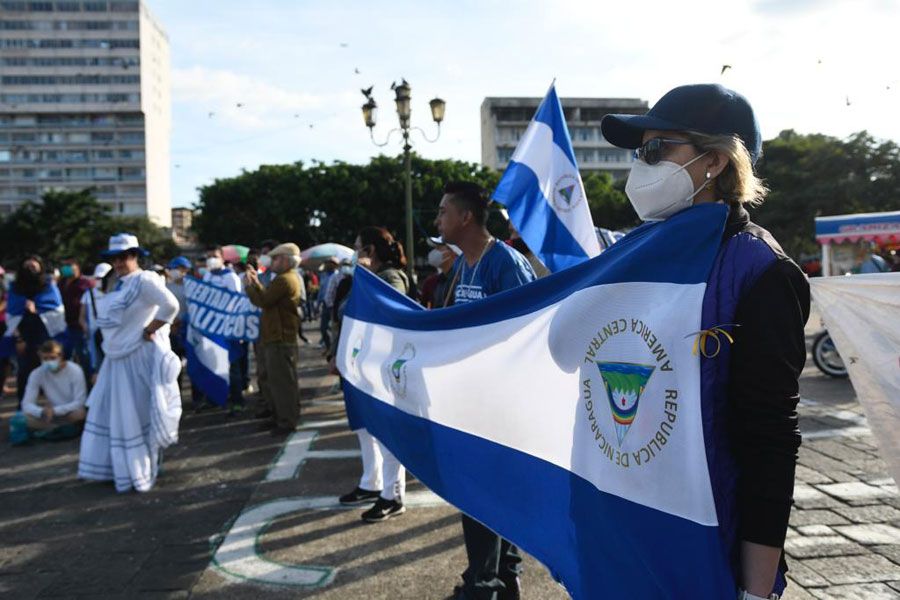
x=737, y=184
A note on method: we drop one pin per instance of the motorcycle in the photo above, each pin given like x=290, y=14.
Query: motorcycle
x=826, y=357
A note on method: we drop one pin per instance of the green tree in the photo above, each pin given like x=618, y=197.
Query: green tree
x=818, y=175
x=609, y=205
x=73, y=224
x=316, y=203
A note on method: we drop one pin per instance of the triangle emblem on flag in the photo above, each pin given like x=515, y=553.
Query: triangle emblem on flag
x=566, y=192
x=624, y=383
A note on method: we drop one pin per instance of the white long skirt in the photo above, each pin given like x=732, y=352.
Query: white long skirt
x=121, y=435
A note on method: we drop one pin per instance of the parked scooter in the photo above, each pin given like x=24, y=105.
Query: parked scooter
x=826, y=357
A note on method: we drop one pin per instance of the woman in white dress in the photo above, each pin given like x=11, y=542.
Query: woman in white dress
x=135, y=405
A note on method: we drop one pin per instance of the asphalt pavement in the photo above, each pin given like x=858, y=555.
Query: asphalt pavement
x=239, y=513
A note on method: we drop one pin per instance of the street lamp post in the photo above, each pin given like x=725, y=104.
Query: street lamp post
x=402, y=99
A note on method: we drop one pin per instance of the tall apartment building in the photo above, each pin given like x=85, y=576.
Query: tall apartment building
x=85, y=101
x=504, y=121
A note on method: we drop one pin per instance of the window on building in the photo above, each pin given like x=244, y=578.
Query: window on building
x=95, y=6
x=106, y=173
x=68, y=7
x=105, y=155
x=504, y=155
x=5, y=156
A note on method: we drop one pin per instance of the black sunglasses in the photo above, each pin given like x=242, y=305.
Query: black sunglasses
x=651, y=152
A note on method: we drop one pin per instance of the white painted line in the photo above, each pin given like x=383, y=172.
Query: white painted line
x=295, y=451
x=237, y=555
x=833, y=433
x=336, y=403
x=332, y=454
x=321, y=424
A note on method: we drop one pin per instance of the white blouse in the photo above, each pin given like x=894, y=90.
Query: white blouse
x=122, y=314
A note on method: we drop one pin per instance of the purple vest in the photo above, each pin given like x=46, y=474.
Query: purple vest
x=743, y=257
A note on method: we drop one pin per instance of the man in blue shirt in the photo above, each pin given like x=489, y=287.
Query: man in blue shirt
x=486, y=267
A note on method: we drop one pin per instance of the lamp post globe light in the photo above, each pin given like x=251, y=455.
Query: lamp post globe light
x=403, y=101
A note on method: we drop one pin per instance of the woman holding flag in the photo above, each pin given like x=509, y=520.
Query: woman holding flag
x=697, y=145
x=135, y=404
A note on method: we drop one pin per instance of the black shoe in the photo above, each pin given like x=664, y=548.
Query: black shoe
x=266, y=425
x=383, y=510
x=359, y=496
x=512, y=590
x=264, y=413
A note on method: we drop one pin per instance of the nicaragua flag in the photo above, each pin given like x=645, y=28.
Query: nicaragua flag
x=543, y=192
x=564, y=414
x=49, y=306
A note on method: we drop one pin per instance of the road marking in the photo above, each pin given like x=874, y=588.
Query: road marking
x=857, y=425
x=238, y=554
x=238, y=557
x=292, y=455
x=323, y=424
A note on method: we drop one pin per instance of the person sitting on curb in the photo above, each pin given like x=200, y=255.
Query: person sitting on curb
x=54, y=396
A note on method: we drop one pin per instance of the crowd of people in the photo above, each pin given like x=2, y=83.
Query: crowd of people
x=105, y=352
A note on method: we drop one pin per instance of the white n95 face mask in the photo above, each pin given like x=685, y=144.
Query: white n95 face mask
x=659, y=191
x=265, y=261
x=213, y=263
x=436, y=258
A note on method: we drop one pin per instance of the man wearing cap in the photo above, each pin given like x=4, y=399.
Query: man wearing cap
x=278, y=335
x=436, y=289
x=698, y=144
x=176, y=270
x=135, y=406
x=104, y=279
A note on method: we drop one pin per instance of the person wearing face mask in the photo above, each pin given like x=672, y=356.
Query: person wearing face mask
x=279, y=324
x=265, y=262
x=436, y=291
x=55, y=394
x=176, y=270
x=104, y=282
x=327, y=286
x=698, y=144
x=35, y=313
x=383, y=480
x=219, y=275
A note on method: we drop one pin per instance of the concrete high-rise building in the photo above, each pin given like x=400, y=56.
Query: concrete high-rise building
x=85, y=101
x=504, y=121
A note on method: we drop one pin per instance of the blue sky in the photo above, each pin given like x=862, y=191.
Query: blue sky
x=291, y=65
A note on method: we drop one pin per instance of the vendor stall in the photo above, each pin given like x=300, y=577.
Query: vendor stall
x=848, y=241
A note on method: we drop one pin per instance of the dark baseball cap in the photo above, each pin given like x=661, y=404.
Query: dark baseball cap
x=705, y=108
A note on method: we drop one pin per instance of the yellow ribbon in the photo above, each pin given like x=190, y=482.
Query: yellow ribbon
x=707, y=334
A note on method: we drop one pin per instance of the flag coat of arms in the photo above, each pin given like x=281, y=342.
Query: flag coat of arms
x=543, y=191
x=564, y=414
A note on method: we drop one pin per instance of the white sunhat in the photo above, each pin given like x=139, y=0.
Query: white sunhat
x=122, y=242
x=101, y=270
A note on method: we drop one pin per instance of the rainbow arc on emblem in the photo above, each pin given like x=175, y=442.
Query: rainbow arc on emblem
x=624, y=383
x=407, y=355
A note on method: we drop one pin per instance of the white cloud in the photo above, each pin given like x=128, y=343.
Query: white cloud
x=240, y=101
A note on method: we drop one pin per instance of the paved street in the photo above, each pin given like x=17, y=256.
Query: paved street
x=239, y=513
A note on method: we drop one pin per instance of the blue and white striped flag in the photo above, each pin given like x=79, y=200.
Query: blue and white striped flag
x=565, y=414
x=543, y=191
x=218, y=319
x=49, y=307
